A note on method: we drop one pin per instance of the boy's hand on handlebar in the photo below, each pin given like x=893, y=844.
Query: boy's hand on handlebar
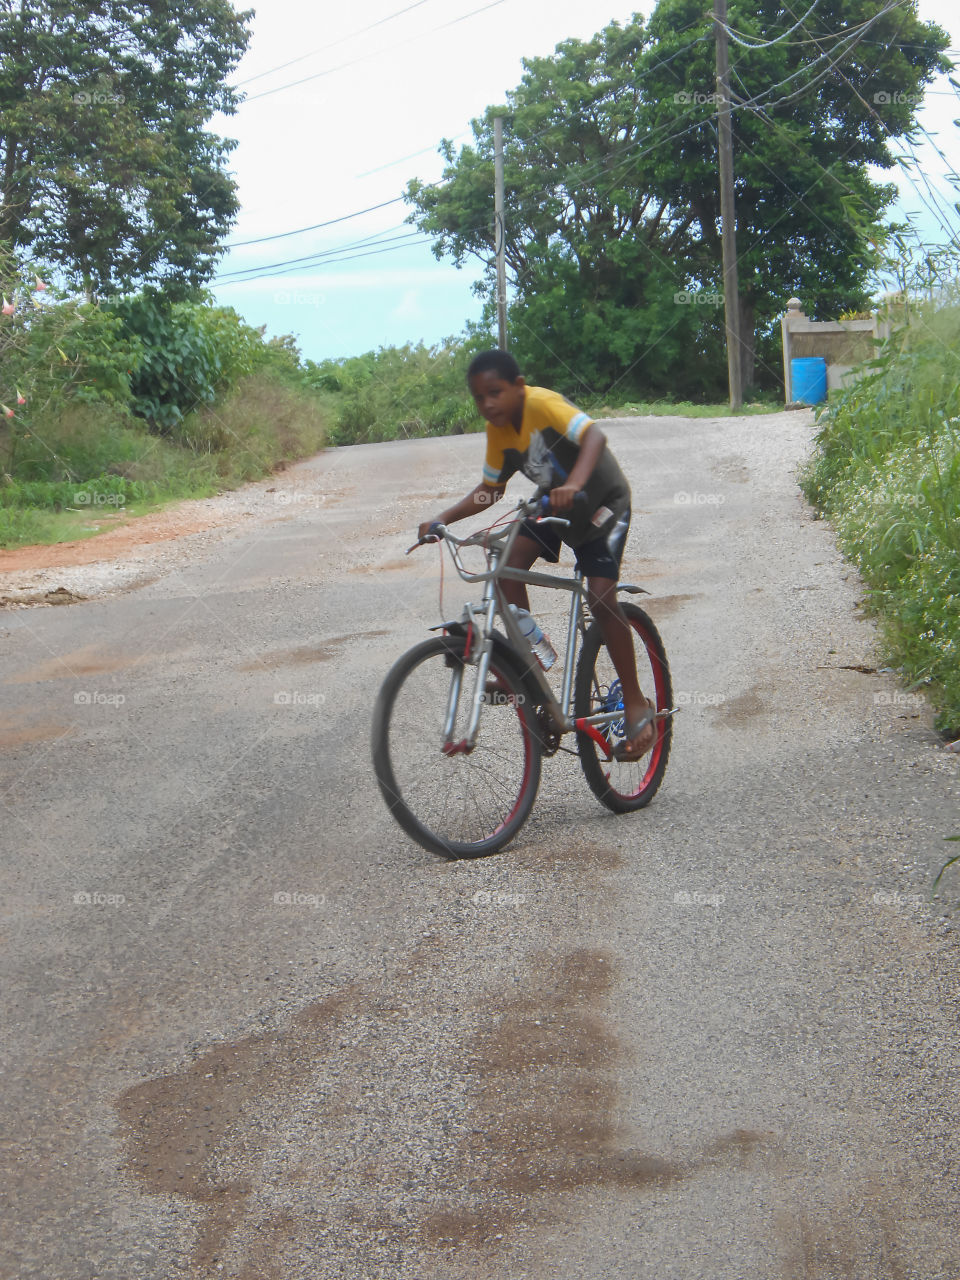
x=562, y=497
x=428, y=530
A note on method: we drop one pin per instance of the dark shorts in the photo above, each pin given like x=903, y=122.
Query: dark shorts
x=598, y=558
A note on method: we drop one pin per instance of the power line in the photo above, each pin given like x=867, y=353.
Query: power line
x=766, y=44
x=332, y=45
x=329, y=71
x=397, y=199
x=347, y=258
x=367, y=242
x=280, y=235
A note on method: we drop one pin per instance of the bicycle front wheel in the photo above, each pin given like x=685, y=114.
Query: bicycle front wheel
x=460, y=804
x=623, y=785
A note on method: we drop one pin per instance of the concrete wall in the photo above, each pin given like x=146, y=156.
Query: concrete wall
x=844, y=344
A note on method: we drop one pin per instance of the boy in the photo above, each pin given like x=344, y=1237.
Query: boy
x=538, y=432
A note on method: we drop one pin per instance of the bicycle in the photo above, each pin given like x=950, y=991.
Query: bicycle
x=460, y=769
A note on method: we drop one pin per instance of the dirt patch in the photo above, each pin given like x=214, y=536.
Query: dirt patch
x=58, y=595
x=140, y=531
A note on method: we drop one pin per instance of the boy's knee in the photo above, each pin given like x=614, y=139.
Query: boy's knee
x=602, y=597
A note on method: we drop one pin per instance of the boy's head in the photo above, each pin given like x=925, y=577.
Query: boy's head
x=497, y=387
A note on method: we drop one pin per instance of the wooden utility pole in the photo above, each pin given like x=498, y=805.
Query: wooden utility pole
x=731, y=291
x=499, y=231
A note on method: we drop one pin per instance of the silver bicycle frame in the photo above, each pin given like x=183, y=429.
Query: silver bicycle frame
x=560, y=712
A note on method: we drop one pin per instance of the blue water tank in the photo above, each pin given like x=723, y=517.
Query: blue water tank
x=808, y=377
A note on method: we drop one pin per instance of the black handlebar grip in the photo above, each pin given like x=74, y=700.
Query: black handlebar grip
x=579, y=499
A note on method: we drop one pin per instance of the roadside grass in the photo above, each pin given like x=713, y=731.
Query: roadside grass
x=87, y=461
x=682, y=409
x=886, y=472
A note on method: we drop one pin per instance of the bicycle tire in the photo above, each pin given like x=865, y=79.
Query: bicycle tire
x=623, y=786
x=422, y=786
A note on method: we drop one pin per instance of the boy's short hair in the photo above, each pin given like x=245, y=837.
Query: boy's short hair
x=499, y=362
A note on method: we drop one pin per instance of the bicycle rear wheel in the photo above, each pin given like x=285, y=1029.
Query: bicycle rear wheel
x=460, y=804
x=623, y=785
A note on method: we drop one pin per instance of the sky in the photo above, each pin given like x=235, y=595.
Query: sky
x=344, y=105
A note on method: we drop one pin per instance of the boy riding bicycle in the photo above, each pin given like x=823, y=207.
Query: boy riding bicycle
x=538, y=432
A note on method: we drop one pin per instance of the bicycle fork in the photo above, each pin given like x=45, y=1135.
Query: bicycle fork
x=469, y=740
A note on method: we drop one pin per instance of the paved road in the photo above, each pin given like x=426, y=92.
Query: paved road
x=251, y=1031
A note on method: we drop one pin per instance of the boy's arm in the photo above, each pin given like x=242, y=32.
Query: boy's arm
x=478, y=499
x=592, y=445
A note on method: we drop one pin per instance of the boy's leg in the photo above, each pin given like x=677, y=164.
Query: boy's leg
x=618, y=637
x=525, y=551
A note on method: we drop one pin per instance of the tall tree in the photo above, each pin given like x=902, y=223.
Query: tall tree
x=107, y=169
x=612, y=193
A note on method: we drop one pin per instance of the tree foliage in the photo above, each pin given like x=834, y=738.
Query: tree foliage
x=612, y=201
x=107, y=170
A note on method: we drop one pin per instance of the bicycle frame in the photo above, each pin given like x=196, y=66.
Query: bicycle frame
x=480, y=624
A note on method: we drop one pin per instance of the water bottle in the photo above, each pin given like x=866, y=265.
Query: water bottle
x=541, y=646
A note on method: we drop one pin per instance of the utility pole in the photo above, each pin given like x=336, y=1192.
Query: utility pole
x=499, y=231
x=731, y=291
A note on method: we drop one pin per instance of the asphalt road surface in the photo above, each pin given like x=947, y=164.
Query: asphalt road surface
x=251, y=1030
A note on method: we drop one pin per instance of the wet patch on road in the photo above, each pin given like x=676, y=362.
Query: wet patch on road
x=542, y=1115
x=307, y=654
x=184, y=1131
x=14, y=733
x=737, y=711
x=662, y=606
x=733, y=469
x=88, y=661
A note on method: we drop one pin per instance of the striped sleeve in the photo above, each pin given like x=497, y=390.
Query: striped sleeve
x=577, y=426
x=493, y=462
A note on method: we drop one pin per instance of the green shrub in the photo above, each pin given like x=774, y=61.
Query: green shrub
x=399, y=392
x=188, y=353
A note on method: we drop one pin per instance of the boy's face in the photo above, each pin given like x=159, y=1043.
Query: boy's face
x=499, y=401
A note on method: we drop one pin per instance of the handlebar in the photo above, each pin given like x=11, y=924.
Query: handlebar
x=537, y=507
